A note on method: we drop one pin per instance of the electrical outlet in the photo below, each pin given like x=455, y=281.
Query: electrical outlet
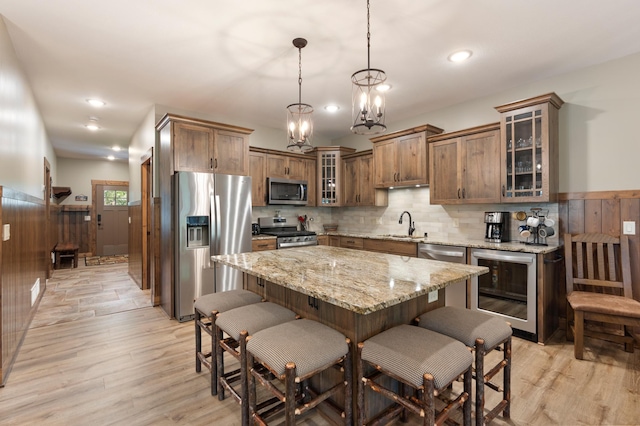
x=87, y=218
x=6, y=232
x=379, y=221
x=433, y=296
x=629, y=227
x=456, y=222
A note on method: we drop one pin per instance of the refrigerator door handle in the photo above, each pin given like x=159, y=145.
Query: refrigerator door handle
x=215, y=219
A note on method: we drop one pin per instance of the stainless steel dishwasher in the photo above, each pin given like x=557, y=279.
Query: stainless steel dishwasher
x=454, y=294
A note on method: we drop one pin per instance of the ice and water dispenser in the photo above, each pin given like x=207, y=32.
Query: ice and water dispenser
x=197, y=231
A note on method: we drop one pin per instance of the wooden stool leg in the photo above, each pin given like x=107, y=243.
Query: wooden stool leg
x=466, y=407
x=348, y=388
x=290, y=394
x=360, y=392
x=479, y=382
x=244, y=379
x=251, y=384
x=197, y=320
x=218, y=362
x=507, y=378
x=578, y=338
x=428, y=400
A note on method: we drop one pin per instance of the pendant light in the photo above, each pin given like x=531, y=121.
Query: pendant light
x=299, y=120
x=368, y=106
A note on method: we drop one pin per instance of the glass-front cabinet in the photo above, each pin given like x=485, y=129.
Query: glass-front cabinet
x=329, y=170
x=529, y=152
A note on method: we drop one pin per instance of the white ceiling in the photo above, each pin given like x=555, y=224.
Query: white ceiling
x=236, y=59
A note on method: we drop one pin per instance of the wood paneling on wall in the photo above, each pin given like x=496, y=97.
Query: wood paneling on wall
x=135, y=242
x=24, y=258
x=73, y=228
x=604, y=212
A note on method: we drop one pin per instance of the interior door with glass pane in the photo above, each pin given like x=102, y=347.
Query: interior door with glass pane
x=112, y=220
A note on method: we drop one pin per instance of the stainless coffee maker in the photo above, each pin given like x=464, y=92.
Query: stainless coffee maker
x=496, y=226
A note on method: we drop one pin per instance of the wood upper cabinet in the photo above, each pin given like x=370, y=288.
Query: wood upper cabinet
x=204, y=146
x=284, y=166
x=464, y=166
x=257, y=171
x=329, y=171
x=401, y=158
x=266, y=163
x=357, y=181
x=529, y=151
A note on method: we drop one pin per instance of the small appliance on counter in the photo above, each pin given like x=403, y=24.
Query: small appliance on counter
x=496, y=227
x=255, y=229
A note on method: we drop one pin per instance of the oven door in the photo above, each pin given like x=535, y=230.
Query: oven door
x=508, y=291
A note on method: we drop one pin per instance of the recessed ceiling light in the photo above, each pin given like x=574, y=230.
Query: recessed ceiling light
x=116, y=148
x=92, y=126
x=332, y=108
x=96, y=103
x=383, y=87
x=111, y=157
x=460, y=56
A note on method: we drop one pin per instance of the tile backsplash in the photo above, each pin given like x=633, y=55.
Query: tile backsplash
x=437, y=221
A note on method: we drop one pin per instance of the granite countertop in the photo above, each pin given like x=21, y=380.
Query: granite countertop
x=516, y=246
x=263, y=237
x=360, y=281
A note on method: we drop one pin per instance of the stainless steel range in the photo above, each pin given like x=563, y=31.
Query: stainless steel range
x=287, y=235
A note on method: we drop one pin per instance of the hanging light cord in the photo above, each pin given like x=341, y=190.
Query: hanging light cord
x=299, y=76
x=368, y=39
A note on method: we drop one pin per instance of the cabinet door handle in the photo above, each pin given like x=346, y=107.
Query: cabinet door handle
x=458, y=192
x=463, y=196
x=503, y=193
x=211, y=163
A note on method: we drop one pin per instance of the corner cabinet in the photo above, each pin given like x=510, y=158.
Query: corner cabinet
x=329, y=171
x=357, y=181
x=205, y=146
x=464, y=166
x=529, y=152
x=400, y=158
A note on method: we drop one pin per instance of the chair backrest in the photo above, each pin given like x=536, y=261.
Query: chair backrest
x=598, y=262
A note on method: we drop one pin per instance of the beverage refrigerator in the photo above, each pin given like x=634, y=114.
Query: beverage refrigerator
x=212, y=217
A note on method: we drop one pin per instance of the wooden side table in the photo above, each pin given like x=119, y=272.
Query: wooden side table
x=66, y=249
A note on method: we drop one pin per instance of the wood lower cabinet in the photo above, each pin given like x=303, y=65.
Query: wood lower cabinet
x=464, y=166
x=401, y=158
x=352, y=243
x=323, y=240
x=400, y=248
x=260, y=245
x=357, y=181
x=199, y=146
x=529, y=151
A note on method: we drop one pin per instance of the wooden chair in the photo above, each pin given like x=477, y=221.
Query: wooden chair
x=599, y=289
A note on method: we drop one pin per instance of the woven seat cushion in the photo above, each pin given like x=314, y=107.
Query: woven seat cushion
x=466, y=325
x=225, y=301
x=308, y=344
x=604, y=304
x=253, y=318
x=409, y=352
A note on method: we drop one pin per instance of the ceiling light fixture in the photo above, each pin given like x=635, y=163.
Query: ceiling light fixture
x=383, y=87
x=116, y=148
x=368, y=111
x=460, y=56
x=92, y=124
x=332, y=108
x=96, y=103
x=299, y=119
x=111, y=158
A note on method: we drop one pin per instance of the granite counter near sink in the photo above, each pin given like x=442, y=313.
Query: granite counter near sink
x=515, y=246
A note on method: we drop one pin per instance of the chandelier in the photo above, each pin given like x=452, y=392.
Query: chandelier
x=299, y=120
x=367, y=101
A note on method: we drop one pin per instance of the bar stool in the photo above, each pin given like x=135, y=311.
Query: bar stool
x=483, y=333
x=206, y=307
x=293, y=353
x=238, y=324
x=420, y=359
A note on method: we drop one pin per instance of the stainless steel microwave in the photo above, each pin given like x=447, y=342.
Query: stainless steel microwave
x=287, y=191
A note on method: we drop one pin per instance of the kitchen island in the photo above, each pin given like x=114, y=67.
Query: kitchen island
x=356, y=292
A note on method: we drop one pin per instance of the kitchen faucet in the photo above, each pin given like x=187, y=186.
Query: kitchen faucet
x=411, y=224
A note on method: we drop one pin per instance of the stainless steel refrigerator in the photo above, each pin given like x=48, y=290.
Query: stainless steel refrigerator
x=212, y=216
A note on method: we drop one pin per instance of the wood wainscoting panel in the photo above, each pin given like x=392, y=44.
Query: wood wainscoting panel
x=135, y=242
x=24, y=260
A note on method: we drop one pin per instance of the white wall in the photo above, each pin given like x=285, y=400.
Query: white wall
x=23, y=139
x=599, y=137
x=143, y=139
x=78, y=174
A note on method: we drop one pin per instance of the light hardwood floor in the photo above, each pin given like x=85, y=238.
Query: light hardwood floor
x=136, y=367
